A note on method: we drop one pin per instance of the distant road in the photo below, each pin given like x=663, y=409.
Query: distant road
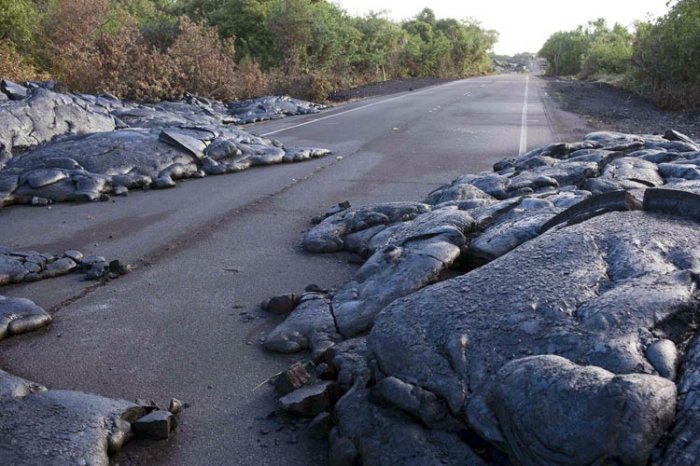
x=212, y=249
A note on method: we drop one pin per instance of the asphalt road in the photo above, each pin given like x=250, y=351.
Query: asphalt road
x=209, y=250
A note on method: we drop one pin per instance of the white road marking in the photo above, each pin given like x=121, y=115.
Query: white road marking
x=523, y=121
x=315, y=120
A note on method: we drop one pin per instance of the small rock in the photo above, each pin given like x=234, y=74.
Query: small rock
x=13, y=90
x=663, y=355
x=156, y=425
x=183, y=141
x=40, y=201
x=118, y=267
x=120, y=191
x=311, y=400
x=175, y=406
x=32, y=268
x=93, y=259
x=97, y=270
x=60, y=267
x=293, y=378
x=283, y=304
x=74, y=255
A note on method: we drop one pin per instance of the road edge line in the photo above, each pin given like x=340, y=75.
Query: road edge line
x=523, y=121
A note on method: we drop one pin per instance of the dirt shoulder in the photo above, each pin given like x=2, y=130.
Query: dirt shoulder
x=384, y=88
x=607, y=107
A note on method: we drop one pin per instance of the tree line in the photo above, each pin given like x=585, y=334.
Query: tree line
x=228, y=49
x=659, y=59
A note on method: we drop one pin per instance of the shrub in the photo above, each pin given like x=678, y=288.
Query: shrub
x=609, y=52
x=564, y=52
x=666, y=57
x=252, y=80
x=205, y=62
x=18, y=22
x=15, y=66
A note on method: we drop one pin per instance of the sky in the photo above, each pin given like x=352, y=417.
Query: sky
x=523, y=26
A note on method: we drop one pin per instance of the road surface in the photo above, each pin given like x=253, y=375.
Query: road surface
x=209, y=250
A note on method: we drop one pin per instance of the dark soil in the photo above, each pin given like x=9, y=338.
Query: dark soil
x=384, y=88
x=606, y=107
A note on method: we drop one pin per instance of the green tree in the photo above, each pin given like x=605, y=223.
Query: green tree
x=609, y=50
x=666, y=57
x=564, y=52
x=18, y=20
x=247, y=21
x=379, y=48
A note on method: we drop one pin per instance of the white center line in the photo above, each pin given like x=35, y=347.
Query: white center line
x=523, y=121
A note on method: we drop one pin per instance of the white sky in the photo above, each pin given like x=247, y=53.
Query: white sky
x=523, y=25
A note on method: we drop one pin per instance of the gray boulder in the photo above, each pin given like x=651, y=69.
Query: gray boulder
x=19, y=315
x=43, y=115
x=329, y=235
x=13, y=386
x=684, y=446
x=309, y=325
x=598, y=293
x=88, y=167
x=548, y=410
x=407, y=256
x=271, y=108
x=388, y=437
x=63, y=428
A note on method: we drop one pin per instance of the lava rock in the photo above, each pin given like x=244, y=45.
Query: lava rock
x=13, y=90
x=311, y=400
x=282, y=304
x=19, y=315
x=156, y=425
x=13, y=386
x=175, y=406
x=294, y=378
x=112, y=146
x=65, y=426
x=271, y=108
x=310, y=325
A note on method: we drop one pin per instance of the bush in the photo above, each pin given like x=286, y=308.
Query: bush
x=204, y=62
x=252, y=80
x=142, y=49
x=112, y=54
x=564, y=52
x=16, y=67
x=95, y=46
x=609, y=51
x=18, y=22
x=666, y=57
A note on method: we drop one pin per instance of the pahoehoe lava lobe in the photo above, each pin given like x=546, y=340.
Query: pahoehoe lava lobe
x=61, y=427
x=56, y=147
x=569, y=338
x=606, y=293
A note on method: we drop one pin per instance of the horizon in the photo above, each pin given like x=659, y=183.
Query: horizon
x=525, y=28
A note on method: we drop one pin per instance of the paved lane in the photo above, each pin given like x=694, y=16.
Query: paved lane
x=211, y=249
